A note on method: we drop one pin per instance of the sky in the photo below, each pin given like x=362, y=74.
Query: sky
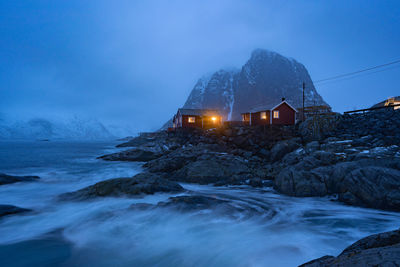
x=131, y=64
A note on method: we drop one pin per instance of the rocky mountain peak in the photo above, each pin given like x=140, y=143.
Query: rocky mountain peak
x=264, y=79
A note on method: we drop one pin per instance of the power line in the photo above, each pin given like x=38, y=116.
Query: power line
x=356, y=76
x=356, y=72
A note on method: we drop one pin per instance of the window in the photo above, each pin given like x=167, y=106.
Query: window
x=276, y=114
x=263, y=115
x=191, y=119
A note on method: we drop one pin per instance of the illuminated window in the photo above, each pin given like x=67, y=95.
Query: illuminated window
x=191, y=119
x=263, y=115
x=214, y=119
x=276, y=114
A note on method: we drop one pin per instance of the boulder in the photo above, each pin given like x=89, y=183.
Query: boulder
x=280, y=149
x=167, y=164
x=374, y=187
x=9, y=210
x=367, y=183
x=300, y=183
x=9, y=179
x=325, y=157
x=294, y=157
x=143, y=183
x=376, y=250
x=212, y=170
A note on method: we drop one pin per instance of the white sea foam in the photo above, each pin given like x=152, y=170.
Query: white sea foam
x=266, y=229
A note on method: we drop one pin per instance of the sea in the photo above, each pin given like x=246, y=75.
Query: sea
x=268, y=229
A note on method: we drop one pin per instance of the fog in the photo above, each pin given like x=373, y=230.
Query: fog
x=131, y=64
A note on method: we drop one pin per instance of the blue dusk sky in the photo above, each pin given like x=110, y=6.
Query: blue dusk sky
x=133, y=63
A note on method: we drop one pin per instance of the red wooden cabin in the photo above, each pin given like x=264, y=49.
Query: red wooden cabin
x=197, y=118
x=280, y=114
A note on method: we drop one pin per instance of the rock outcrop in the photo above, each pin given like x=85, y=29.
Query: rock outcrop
x=133, y=155
x=355, y=158
x=10, y=179
x=201, y=205
x=143, y=183
x=10, y=210
x=358, y=160
x=375, y=250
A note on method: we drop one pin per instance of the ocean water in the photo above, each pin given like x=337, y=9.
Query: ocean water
x=267, y=229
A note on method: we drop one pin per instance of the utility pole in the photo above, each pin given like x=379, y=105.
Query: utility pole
x=304, y=86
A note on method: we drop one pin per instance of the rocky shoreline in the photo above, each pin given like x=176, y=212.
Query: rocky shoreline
x=354, y=158
x=376, y=250
x=8, y=210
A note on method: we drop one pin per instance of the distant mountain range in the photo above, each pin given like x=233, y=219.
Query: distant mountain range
x=265, y=79
x=39, y=129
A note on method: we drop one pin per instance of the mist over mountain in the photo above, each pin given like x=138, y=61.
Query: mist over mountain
x=264, y=79
x=40, y=128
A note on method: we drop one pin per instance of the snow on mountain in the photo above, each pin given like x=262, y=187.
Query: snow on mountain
x=39, y=128
x=195, y=99
x=264, y=79
x=217, y=92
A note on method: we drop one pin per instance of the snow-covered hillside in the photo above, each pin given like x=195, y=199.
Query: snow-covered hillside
x=264, y=79
x=39, y=128
x=216, y=92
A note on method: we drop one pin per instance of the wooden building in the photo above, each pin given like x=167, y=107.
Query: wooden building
x=391, y=101
x=197, y=118
x=280, y=114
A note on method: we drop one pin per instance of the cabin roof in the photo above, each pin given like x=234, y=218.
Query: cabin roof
x=199, y=112
x=382, y=103
x=269, y=107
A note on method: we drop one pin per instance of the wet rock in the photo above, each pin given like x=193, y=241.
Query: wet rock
x=205, y=171
x=374, y=187
x=133, y=155
x=167, y=164
x=9, y=210
x=256, y=182
x=263, y=153
x=184, y=155
x=9, y=179
x=300, y=183
x=294, y=157
x=376, y=250
x=312, y=146
x=262, y=172
x=368, y=183
x=143, y=183
x=325, y=157
x=191, y=203
x=210, y=204
x=280, y=149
